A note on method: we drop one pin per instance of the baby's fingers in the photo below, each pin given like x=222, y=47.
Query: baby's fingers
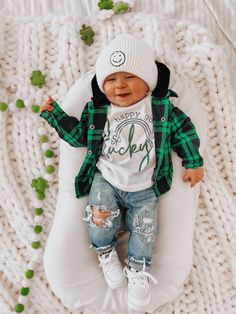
x=186, y=177
x=46, y=108
x=189, y=179
x=193, y=182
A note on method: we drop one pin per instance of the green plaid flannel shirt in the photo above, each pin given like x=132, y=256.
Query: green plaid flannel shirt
x=173, y=129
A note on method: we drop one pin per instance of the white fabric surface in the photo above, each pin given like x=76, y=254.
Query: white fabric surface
x=53, y=45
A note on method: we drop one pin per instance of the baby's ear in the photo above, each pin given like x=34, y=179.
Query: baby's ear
x=163, y=80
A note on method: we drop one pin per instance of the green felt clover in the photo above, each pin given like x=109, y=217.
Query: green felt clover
x=37, y=78
x=3, y=106
x=121, y=7
x=105, y=4
x=40, y=185
x=87, y=34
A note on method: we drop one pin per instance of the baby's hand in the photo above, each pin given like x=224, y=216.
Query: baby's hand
x=47, y=106
x=193, y=175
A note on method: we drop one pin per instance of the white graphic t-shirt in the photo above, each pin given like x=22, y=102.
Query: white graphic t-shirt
x=128, y=154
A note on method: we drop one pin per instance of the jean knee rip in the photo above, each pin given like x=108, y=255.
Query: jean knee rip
x=145, y=226
x=106, y=222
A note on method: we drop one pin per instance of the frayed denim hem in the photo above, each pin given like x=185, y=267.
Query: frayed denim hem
x=104, y=249
x=138, y=264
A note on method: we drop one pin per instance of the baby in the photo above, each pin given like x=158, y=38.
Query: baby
x=129, y=128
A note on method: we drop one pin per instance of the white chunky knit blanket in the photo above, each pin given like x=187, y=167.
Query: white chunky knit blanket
x=53, y=45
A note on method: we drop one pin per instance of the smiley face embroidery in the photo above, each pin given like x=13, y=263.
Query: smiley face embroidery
x=117, y=58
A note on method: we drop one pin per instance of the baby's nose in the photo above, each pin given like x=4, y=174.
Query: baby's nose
x=120, y=83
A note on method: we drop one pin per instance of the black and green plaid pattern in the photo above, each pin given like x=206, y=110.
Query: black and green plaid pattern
x=172, y=128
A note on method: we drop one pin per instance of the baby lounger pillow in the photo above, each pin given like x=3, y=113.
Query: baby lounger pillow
x=72, y=267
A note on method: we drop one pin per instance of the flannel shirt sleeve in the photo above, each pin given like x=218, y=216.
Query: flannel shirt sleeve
x=69, y=128
x=184, y=139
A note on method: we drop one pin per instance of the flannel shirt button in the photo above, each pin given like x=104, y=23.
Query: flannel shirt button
x=163, y=119
x=89, y=152
x=92, y=126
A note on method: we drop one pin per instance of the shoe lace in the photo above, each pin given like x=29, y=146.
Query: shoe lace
x=139, y=277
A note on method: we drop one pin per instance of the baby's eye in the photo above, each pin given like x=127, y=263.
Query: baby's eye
x=130, y=76
x=111, y=79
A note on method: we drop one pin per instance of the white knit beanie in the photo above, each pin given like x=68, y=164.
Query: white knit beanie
x=126, y=53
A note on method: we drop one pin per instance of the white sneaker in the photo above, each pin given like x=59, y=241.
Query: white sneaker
x=139, y=294
x=112, y=269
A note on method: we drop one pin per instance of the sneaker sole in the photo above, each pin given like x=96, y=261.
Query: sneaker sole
x=137, y=305
x=117, y=284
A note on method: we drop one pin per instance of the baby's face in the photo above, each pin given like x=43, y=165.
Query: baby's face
x=124, y=89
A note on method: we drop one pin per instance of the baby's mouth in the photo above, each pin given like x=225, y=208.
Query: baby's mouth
x=123, y=94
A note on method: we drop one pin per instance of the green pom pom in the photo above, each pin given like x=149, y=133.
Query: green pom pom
x=121, y=7
x=38, y=211
x=36, y=245
x=24, y=291
x=37, y=78
x=40, y=196
x=38, y=229
x=35, y=108
x=105, y=4
x=20, y=103
x=49, y=153
x=19, y=308
x=50, y=169
x=29, y=274
x=87, y=34
x=3, y=106
x=43, y=139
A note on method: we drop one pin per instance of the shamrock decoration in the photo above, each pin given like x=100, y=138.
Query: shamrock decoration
x=105, y=4
x=108, y=8
x=121, y=7
x=40, y=185
x=37, y=78
x=87, y=34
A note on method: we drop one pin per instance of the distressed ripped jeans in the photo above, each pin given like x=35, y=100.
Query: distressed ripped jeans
x=140, y=218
